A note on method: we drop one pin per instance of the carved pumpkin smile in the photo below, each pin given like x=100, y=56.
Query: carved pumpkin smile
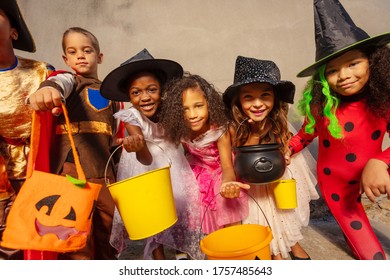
x=59, y=218
x=62, y=232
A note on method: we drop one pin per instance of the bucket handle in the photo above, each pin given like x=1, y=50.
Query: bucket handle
x=290, y=172
x=204, y=214
x=121, y=146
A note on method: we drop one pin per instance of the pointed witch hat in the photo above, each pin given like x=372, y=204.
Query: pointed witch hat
x=114, y=86
x=336, y=33
x=24, y=42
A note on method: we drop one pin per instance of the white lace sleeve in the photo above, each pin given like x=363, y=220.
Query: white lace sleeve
x=130, y=116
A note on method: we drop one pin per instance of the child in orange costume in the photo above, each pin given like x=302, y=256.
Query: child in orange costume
x=19, y=77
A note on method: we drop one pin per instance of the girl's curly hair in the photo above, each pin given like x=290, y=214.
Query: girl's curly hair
x=172, y=112
x=275, y=128
x=319, y=99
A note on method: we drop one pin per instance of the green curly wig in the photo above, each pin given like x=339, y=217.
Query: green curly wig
x=330, y=105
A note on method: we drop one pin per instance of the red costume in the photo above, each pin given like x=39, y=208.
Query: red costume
x=339, y=167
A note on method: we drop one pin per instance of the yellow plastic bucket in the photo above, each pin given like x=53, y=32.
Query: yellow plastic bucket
x=145, y=203
x=239, y=242
x=285, y=192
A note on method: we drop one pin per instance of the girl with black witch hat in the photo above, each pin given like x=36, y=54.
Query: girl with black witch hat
x=258, y=102
x=140, y=81
x=346, y=104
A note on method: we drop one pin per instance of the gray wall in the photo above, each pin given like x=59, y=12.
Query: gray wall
x=204, y=36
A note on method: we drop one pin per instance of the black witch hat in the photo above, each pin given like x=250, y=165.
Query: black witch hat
x=336, y=33
x=251, y=70
x=114, y=86
x=24, y=41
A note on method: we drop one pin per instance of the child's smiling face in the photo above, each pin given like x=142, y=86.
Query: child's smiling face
x=257, y=100
x=348, y=73
x=196, y=110
x=144, y=93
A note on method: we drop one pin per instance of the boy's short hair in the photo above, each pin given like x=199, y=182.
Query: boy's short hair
x=94, y=40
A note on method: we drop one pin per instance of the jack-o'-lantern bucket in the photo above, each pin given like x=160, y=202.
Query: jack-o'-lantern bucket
x=145, y=202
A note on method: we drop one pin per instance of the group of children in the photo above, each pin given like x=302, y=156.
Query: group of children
x=345, y=104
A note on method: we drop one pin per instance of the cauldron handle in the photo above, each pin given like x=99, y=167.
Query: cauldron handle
x=241, y=123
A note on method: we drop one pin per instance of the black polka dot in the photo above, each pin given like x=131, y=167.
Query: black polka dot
x=327, y=171
x=351, y=157
x=356, y=225
x=376, y=134
x=353, y=182
x=388, y=127
x=335, y=197
x=378, y=256
x=348, y=126
x=359, y=199
x=326, y=143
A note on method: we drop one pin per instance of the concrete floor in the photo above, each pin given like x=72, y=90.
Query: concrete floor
x=323, y=240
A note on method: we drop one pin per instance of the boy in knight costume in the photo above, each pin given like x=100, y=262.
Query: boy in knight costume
x=93, y=127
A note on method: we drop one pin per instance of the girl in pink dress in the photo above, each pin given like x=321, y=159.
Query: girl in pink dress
x=193, y=114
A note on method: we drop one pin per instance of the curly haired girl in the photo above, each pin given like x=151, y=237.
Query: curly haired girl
x=193, y=114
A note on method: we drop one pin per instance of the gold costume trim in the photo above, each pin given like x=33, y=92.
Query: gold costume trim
x=85, y=127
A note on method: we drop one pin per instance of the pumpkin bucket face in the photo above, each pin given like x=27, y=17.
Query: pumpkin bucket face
x=50, y=214
x=61, y=214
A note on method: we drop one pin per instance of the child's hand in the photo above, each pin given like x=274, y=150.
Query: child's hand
x=132, y=143
x=46, y=98
x=375, y=179
x=232, y=189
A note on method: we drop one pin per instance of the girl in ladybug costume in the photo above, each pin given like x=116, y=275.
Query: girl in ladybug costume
x=346, y=104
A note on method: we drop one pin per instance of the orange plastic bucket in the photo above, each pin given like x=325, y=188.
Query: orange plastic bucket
x=145, y=203
x=239, y=242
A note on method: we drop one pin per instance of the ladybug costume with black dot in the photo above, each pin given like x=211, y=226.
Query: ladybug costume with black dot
x=346, y=105
x=339, y=167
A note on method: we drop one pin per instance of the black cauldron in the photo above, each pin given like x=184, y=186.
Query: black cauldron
x=258, y=164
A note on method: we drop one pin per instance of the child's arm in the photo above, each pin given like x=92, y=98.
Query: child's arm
x=135, y=142
x=301, y=140
x=230, y=188
x=52, y=92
